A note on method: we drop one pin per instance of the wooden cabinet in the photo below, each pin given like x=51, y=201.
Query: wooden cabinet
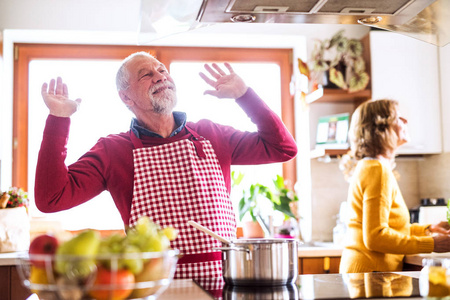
x=341, y=96
x=318, y=265
x=11, y=285
x=339, y=101
x=407, y=70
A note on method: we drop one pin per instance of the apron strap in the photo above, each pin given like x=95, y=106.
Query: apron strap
x=200, y=257
x=195, y=139
x=137, y=143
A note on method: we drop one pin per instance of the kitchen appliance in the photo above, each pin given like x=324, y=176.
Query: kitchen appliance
x=260, y=262
x=432, y=210
x=425, y=20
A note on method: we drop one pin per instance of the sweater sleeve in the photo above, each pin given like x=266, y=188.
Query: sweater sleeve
x=58, y=187
x=379, y=217
x=418, y=229
x=271, y=143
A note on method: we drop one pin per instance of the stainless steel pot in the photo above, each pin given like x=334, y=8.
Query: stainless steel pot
x=260, y=262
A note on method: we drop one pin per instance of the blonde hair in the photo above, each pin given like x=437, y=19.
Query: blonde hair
x=372, y=129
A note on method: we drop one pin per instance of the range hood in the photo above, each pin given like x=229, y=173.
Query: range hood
x=427, y=20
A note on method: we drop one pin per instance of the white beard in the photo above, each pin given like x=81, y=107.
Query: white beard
x=163, y=102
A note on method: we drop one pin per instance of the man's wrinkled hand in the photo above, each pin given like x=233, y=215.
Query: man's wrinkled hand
x=225, y=85
x=57, y=98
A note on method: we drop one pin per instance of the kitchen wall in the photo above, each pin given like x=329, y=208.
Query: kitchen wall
x=425, y=176
x=329, y=189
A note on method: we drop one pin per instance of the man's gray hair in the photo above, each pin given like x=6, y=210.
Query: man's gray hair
x=123, y=75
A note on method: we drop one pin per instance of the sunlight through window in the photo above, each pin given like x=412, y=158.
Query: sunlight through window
x=102, y=113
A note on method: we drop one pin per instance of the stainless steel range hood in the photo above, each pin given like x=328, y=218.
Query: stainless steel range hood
x=427, y=20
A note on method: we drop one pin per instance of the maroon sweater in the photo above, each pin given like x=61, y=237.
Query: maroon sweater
x=109, y=164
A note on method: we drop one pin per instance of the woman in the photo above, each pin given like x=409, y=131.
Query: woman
x=379, y=230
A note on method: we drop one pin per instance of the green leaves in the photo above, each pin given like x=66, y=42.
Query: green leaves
x=448, y=212
x=280, y=199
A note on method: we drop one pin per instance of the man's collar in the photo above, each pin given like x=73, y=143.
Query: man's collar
x=138, y=130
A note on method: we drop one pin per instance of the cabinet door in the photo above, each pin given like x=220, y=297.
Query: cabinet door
x=5, y=282
x=318, y=265
x=18, y=290
x=406, y=70
x=11, y=287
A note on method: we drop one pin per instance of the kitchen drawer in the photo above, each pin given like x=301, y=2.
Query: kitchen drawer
x=10, y=284
x=318, y=265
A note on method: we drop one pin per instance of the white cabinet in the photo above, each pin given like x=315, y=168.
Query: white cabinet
x=407, y=70
x=444, y=58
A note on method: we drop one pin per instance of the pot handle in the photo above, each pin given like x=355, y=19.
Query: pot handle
x=249, y=254
x=233, y=248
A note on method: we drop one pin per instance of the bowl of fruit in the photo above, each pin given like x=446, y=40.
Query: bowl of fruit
x=138, y=265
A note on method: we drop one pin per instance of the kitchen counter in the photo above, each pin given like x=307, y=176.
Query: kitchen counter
x=360, y=285
x=416, y=259
x=10, y=258
x=319, y=249
x=395, y=285
x=311, y=250
x=311, y=286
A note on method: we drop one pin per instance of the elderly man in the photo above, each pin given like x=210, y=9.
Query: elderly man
x=164, y=167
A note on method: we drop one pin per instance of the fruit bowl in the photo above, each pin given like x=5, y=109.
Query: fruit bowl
x=138, y=275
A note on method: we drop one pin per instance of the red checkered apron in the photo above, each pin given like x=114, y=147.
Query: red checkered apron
x=178, y=182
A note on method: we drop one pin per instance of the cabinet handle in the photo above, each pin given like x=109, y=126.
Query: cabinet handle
x=326, y=265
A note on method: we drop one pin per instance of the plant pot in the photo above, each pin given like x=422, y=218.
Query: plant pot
x=252, y=229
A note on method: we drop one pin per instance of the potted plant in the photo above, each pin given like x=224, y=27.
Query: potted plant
x=338, y=61
x=285, y=201
x=281, y=200
x=250, y=203
x=14, y=220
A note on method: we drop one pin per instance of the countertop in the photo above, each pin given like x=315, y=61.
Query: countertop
x=416, y=259
x=10, y=258
x=317, y=249
x=307, y=287
x=328, y=249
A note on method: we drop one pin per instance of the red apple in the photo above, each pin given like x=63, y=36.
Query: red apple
x=112, y=285
x=42, y=244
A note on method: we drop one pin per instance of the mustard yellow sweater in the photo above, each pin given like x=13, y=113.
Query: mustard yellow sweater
x=379, y=232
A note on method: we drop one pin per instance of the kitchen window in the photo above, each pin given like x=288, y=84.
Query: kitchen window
x=90, y=74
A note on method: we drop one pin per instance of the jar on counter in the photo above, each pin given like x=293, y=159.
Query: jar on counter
x=434, y=280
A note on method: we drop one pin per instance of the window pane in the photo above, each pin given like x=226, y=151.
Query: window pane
x=101, y=113
x=264, y=78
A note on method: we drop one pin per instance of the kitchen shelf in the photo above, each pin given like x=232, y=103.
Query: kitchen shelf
x=316, y=153
x=341, y=96
x=336, y=152
x=338, y=95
